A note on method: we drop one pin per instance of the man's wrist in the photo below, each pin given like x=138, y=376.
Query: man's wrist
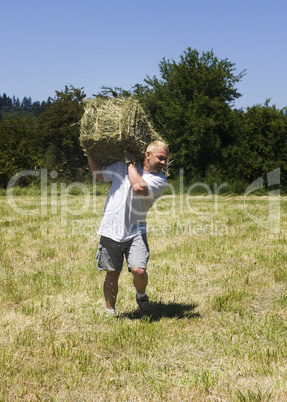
x=129, y=157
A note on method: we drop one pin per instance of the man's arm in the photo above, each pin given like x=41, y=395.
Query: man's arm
x=96, y=169
x=138, y=184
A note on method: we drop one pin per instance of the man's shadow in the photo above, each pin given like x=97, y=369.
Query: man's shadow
x=165, y=310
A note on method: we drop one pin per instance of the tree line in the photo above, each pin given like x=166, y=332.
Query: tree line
x=191, y=105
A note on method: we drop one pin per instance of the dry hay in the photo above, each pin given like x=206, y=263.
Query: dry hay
x=111, y=126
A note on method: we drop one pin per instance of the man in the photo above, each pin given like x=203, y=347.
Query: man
x=134, y=189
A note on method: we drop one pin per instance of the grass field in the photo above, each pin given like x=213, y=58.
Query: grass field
x=217, y=282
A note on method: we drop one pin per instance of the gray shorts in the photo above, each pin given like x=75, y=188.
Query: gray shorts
x=110, y=254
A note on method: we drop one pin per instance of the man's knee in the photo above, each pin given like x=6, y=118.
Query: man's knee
x=138, y=271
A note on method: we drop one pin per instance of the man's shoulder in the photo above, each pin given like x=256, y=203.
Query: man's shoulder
x=159, y=177
x=155, y=181
x=163, y=180
x=162, y=176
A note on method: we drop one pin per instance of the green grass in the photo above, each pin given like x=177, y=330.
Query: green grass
x=217, y=282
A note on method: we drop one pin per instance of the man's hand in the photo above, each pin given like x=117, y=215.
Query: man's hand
x=129, y=157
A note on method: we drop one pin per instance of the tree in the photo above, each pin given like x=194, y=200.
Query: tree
x=16, y=102
x=60, y=132
x=116, y=92
x=260, y=144
x=191, y=107
x=5, y=103
x=24, y=108
x=26, y=102
x=18, y=145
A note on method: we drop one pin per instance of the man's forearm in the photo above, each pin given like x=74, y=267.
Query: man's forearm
x=137, y=182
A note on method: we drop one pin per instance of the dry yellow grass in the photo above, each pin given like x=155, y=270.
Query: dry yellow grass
x=218, y=288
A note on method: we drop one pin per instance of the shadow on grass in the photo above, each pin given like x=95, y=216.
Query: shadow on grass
x=162, y=310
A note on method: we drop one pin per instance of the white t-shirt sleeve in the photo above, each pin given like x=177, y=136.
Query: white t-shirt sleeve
x=156, y=185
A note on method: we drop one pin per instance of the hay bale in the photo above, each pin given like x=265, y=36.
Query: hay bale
x=110, y=126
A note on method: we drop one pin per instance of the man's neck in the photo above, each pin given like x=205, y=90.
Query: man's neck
x=145, y=166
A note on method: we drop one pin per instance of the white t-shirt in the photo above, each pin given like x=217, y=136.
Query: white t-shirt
x=125, y=212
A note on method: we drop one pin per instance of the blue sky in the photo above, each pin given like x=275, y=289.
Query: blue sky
x=45, y=45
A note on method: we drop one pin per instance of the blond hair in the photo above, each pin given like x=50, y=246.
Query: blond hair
x=153, y=146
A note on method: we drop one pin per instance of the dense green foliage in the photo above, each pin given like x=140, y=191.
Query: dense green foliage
x=59, y=128
x=259, y=144
x=191, y=106
x=46, y=139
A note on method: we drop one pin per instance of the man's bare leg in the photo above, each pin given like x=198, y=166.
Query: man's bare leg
x=111, y=288
x=140, y=282
x=140, y=279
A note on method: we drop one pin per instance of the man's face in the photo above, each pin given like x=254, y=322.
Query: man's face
x=156, y=161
